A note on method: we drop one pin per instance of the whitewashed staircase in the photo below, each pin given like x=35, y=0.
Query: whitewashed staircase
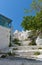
x=25, y=51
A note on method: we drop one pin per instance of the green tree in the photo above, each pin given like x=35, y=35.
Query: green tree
x=36, y=6
x=34, y=23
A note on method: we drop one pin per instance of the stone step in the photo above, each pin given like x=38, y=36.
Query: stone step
x=27, y=47
x=25, y=51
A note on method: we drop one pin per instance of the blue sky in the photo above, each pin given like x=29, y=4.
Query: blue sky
x=14, y=9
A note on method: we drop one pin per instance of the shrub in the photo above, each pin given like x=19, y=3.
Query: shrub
x=15, y=49
x=3, y=56
x=37, y=53
x=9, y=53
x=32, y=43
x=40, y=48
x=16, y=41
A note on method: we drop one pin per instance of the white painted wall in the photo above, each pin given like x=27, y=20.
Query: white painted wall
x=21, y=35
x=39, y=41
x=25, y=43
x=4, y=37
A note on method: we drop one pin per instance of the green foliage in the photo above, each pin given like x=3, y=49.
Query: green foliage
x=16, y=41
x=33, y=37
x=9, y=53
x=29, y=23
x=37, y=53
x=38, y=18
x=36, y=5
x=40, y=48
x=32, y=43
x=3, y=56
x=15, y=48
x=32, y=22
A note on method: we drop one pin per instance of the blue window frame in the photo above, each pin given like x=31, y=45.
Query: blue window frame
x=4, y=21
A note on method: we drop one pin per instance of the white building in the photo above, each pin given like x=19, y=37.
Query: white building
x=21, y=35
x=16, y=34
x=25, y=34
x=4, y=31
